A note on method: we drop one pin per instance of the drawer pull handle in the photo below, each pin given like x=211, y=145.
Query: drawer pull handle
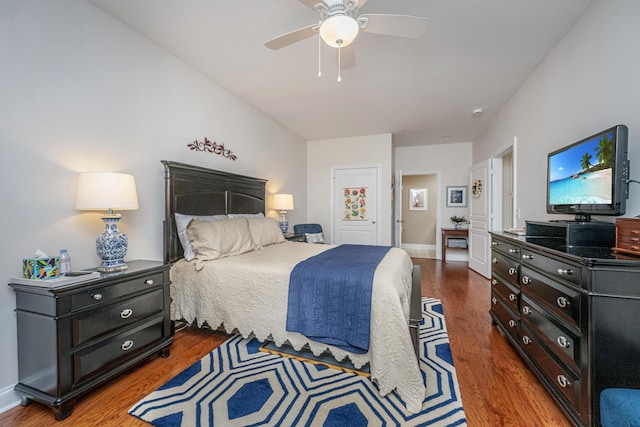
x=526, y=280
x=148, y=282
x=127, y=345
x=526, y=256
x=126, y=313
x=562, y=302
x=636, y=232
x=512, y=297
x=563, y=381
x=512, y=271
x=635, y=248
x=494, y=260
x=635, y=239
x=97, y=297
x=526, y=309
x=563, y=272
x=495, y=243
x=512, y=323
x=494, y=282
x=526, y=340
x=514, y=251
x=563, y=342
x=494, y=300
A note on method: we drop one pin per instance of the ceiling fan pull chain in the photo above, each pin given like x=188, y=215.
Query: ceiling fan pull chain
x=339, y=77
x=319, y=53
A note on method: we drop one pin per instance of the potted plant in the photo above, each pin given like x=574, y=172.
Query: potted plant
x=458, y=221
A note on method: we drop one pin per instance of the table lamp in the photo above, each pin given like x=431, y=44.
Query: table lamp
x=283, y=203
x=108, y=191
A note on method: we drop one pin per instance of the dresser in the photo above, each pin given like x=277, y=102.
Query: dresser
x=572, y=313
x=74, y=338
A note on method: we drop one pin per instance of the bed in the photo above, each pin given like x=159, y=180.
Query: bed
x=247, y=293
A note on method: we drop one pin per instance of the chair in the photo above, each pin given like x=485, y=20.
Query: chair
x=620, y=407
x=312, y=233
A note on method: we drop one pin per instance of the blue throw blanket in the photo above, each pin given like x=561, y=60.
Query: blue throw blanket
x=330, y=296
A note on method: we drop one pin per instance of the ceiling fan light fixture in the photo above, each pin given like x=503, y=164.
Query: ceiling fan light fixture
x=339, y=30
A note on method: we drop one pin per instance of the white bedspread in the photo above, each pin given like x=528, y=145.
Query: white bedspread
x=249, y=293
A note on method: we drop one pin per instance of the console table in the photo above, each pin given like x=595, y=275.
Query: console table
x=451, y=232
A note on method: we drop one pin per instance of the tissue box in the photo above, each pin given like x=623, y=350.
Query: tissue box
x=41, y=268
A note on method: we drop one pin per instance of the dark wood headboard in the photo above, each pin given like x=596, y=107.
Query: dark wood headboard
x=194, y=190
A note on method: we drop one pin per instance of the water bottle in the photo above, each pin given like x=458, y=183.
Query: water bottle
x=65, y=262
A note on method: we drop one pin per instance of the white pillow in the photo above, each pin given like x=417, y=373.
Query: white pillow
x=255, y=215
x=314, y=237
x=182, y=221
x=265, y=231
x=219, y=239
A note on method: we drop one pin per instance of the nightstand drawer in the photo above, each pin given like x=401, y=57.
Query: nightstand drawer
x=94, y=323
x=106, y=354
x=111, y=292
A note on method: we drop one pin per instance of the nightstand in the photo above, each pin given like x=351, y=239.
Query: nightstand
x=75, y=337
x=292, y=237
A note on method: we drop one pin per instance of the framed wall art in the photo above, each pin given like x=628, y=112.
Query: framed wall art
x=457, y=197
x=418, y=199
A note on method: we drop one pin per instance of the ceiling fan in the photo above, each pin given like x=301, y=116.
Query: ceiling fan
x=340, y=23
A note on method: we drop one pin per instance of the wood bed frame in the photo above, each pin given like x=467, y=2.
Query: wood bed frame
x=194, y=190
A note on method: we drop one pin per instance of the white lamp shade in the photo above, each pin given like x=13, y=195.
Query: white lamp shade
x=283, y=202
x=339, y=30
x=106, y=190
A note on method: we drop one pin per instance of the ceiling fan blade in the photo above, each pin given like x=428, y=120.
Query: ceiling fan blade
x=395, y=25
x=361, y=3
x=292, y=37
x=310, y=3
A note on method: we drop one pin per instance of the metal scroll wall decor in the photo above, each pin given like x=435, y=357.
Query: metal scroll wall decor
x=212, y=147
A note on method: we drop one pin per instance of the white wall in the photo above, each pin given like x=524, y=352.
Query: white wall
x=451, y=161
x=322, y=155
x=588, y=83
x=82, y=92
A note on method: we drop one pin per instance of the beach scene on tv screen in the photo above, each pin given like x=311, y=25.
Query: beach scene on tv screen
x=582, y=174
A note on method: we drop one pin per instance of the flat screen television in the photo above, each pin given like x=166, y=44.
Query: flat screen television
x=590, y=177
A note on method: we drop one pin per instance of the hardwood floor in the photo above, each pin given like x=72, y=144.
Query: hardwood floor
x=497, y=388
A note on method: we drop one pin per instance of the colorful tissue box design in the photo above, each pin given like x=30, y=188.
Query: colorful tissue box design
x=41, y=268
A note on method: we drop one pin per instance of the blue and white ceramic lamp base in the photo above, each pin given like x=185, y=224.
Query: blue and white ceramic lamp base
x=112, y=245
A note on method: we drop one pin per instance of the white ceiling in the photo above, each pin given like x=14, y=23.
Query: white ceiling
x=474, y=54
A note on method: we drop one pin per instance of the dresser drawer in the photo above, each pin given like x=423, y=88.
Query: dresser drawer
x=505, y=317
x=506, y=292
x=104, y=355
x=506, y=248
x=560, y=340
x=563, y=382
x=111, y=292
x=559, y=299
x=554, y=267
x=91, y=324
x=505, y=267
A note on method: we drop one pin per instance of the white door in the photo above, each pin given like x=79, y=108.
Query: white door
x=480, y=185
x=397, y=210
x=355, y=206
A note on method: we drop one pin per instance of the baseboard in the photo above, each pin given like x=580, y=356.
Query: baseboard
x=8, y=399
x=420, y=251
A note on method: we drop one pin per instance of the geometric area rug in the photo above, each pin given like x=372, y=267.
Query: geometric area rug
x=238, y=385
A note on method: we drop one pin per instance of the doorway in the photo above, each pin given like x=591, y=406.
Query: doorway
x=418, y=214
